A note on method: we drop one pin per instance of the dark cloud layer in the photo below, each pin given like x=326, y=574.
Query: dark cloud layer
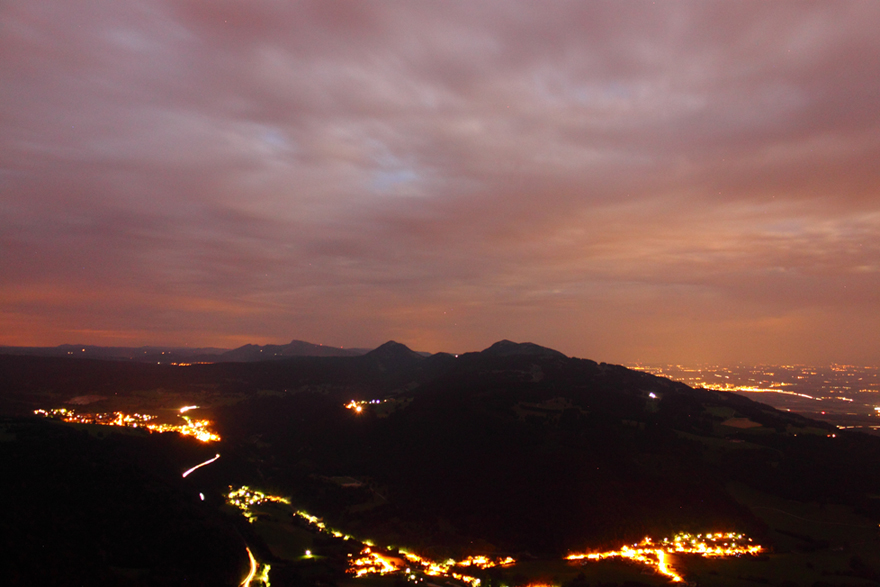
x=680, y=181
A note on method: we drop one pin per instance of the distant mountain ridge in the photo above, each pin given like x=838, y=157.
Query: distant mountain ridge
x=296, y=348
x=160, y=354
x=148, y=354
x=254, y=352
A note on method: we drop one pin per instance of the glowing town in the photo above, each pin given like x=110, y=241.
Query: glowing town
x=198, y=429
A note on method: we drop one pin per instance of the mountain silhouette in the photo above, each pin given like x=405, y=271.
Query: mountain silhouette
x=504, y=348
x=394, y=356
x=296, y=348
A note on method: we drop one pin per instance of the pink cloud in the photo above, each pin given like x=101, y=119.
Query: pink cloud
x=274, y=170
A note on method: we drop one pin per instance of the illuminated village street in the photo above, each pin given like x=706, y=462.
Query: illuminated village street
x=656, y=554
x=372, y=560
x=198, y=429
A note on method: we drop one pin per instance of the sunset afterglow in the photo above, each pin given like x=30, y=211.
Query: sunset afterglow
x=447, y=175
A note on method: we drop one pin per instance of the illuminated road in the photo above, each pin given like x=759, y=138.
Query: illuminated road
x=253, y=571
x=199, y=429
x=654, y=555
x=373, y=560
x=208, y=462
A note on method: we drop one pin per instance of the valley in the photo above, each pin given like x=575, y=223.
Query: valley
x=512, y=466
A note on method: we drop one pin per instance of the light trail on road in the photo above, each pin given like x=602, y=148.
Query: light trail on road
x=253, y=572
x=208, y=462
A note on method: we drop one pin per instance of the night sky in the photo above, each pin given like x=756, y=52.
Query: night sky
x=623, y=181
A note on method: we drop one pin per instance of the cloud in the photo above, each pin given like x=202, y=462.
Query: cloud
x=344, y=171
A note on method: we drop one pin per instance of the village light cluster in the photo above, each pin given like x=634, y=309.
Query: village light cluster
x=447, y=568
x=484, y=562
x=656, y=555
x=244, y=498
x=320, y=525
x=198, y=429
x=371, y=562
x=355, y=406
x=358, y=406
x=112, y=419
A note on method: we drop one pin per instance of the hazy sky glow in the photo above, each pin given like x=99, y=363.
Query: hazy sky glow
x=685, y=181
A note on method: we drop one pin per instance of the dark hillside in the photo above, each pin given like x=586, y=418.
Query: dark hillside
x=517, y=448
x=113, y=511
x=540, y=452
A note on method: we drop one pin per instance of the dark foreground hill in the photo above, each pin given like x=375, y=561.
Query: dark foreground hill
x=514, y=449
x=107, y=510
x=530, y=450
